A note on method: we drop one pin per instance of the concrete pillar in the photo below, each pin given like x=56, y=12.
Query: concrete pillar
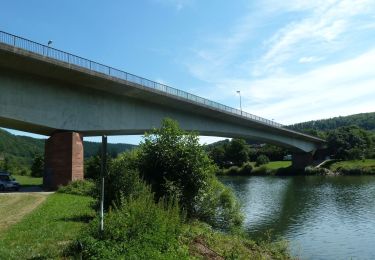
x=63, y=159
x=301, y=160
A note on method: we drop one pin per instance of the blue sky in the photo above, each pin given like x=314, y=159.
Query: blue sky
x=292, y=60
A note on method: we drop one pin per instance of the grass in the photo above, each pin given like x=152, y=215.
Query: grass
x=28, y=181
x=44, y=233
x=205, y=243
x=278, y=164
x=353, y=164
x=13, y=207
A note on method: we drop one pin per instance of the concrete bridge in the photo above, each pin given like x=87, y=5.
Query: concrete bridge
x=51, y=92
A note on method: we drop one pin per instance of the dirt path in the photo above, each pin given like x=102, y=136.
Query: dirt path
x=14, y=206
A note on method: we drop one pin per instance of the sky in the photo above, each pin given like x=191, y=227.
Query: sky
x=292, y=61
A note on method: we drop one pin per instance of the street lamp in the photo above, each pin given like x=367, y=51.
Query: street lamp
x=49, y=43
x=239, y=93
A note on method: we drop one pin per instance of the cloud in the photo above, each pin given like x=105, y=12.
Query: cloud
x=310, y=59
x=308, y=66
x=337, y=89
x=178, y=4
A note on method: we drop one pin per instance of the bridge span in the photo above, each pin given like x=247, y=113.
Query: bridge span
x=51, y=92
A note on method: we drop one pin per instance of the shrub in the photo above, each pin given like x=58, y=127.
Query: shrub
x=262, y=159
x=233, y=170
x=175, y=164
x=262, y=170
x=80, y=187
x=246, y=169
x=139, y=229
x=37, y=167
x=219, y=207
x=123, y=179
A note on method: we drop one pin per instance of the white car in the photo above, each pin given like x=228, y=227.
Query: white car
x=7, y=182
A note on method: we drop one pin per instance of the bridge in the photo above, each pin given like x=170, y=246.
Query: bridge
x=50, y=92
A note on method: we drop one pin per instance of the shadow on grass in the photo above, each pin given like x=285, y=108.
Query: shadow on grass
x=82, y=218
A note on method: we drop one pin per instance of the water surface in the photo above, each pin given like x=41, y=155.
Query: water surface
x=321, y=217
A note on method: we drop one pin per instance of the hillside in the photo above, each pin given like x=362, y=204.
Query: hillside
x=364, y=120
x=21, y=149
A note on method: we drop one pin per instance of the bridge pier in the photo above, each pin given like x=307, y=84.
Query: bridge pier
x=301, y=160
x=63, y=159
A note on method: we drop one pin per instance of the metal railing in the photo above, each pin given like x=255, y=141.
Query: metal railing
x=53, y=53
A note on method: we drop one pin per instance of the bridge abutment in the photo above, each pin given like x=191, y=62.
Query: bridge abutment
x=63, y=159
x=301, y=160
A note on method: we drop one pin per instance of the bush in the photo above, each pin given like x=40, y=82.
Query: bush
x=246, y=169
x=81, y=187
x=261, y=160
x=37, y=167
x=233, y=170
x=262, y=170
x=219, y=207
x=139, y=229
x=175, y=164
x=122, y=180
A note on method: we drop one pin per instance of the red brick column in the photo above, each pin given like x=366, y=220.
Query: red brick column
x=63, y=159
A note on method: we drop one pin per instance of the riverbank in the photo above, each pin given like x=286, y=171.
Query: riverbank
x=283, y=168
x=48, y=230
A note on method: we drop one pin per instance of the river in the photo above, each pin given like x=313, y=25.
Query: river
x=320, y=217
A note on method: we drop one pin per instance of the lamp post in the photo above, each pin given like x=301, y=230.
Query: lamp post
x=239, y=93
x=49, y=43
x=103, y=169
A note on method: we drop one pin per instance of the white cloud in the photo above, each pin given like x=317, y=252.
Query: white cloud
x=273, y=83
x=343, y=88
x=310, y=59
x=178, y=4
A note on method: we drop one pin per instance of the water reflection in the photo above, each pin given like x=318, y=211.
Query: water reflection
x=322, y=217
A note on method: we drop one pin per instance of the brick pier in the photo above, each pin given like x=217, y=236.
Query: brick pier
x=63, y=159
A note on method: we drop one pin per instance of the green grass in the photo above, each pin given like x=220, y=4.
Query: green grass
x=13, y=207
x=355, y=164
x=206, y=243
x=28, y=181
x=45, y=232
x=278, y=164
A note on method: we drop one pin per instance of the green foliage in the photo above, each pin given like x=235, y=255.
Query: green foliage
x=80, y=187
x=237, y=151
x=93, y=149
x=365, y=121
x=235, y=245
x=274, y=153
x=19, y=151
x=37, y=167
x=349, y=142
x=246, y=170
x=43, y=234
x=123, y=179
x=217, y=154
x=175, y=164
x=354, y=167
x=139, y=229
x=261, y=160
x=219, y=207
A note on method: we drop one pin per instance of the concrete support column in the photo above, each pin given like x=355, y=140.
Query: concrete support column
x=63, y=159
x=301, y=160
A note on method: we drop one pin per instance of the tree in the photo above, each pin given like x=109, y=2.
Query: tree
x=218, y=155
x=176, y=166
x=37, y=167
x=237, y=151
x=262, y=159
x=349, y=143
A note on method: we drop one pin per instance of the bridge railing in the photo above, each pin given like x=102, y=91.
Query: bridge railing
x=59, y=55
